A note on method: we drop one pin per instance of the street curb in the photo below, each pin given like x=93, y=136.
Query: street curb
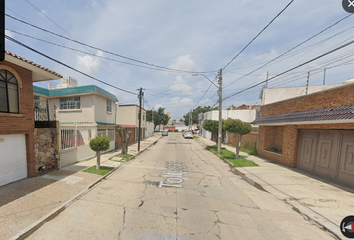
x=31, y=229
x=305, y=216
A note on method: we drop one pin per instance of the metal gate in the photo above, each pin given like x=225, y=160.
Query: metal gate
x=328, y=153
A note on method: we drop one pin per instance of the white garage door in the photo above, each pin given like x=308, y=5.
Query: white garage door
x=13, y=162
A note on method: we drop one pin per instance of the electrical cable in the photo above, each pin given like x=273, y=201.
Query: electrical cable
x=286, y=52
x=105, y=51
x=45, y=15
x=259, y=34
x=61, y=63
x=298, y=66
x=88, y=53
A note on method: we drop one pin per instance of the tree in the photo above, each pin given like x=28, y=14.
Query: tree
x=195, y=113
x=99, y=144
x=159, y=117
x=213, y=127
x=239, y=128
x=124, y=136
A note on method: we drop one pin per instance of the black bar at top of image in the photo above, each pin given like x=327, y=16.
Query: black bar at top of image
x=2, y=30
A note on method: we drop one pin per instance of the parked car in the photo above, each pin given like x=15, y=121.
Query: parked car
x=184, y=132
x=165, y=133
x=188, y=135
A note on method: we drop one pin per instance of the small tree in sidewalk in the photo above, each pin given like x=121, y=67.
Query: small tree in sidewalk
x=124, y=136
x=213, y=127
x=99, y=144
x=239, y=128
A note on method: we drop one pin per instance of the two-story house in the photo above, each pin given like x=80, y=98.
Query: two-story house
x=83, y=112
x=128, y=116
x=17, y=155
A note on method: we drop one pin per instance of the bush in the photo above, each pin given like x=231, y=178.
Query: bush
x=100, y=144
x=176, y=130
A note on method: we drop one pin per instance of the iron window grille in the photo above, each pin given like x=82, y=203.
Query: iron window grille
x=70, y=103
x=9, y=96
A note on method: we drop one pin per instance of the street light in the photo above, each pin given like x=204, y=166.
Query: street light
x=220, y=106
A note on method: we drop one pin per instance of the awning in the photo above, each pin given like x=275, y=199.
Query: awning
x=105, y=124
x=127, y=126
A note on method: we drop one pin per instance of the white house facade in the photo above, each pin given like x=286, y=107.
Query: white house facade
x=129, y=115
x=243, y=115
x=83, y=112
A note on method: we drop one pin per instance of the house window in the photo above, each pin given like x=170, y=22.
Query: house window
x=9, y=99
x=143, y=117
x=70, y=103
x=109, y=106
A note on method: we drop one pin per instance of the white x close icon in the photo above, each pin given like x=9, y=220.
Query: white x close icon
x=351, y=3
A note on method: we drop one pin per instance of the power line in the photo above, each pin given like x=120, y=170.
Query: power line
x=286, y=52
x=298, y=66
x=88, y=53
x=61, y=63
x=100, y=49
x=45, y=15
x=259, y=33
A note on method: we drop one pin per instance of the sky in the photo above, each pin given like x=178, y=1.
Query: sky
x=191, y=36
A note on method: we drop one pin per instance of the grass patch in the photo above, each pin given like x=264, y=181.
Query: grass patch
x=297, y=210
x=126, y=158
x=195, y=137
x=103, y=171
x=230, y=156
x=246, y=150
x=249, y=151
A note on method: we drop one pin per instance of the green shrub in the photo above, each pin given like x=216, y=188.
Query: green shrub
x=100, y=143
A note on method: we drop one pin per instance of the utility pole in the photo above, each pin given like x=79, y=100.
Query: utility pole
x=220, y=111
x=267, y=80
x=190, y=119
x=307, y=84
x=324, y=77
x=140, y=97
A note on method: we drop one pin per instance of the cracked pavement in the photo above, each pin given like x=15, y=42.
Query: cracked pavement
x=213, y=203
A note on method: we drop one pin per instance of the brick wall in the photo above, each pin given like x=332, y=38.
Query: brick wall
x=290, y=137
x=22, y=123
x=248, y=140
x=245, y=107
x=131, y=139
x=330, y=98
x=291, y=141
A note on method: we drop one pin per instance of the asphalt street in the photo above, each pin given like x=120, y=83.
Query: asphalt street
x=177, y=190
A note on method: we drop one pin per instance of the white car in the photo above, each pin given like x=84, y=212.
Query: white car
x=188, y=135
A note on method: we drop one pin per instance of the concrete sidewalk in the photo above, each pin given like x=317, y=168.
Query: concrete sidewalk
x=322, y=202
x=26, y=203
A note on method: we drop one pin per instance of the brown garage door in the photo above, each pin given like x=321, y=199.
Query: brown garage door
x=346, y=159
x=328, y=153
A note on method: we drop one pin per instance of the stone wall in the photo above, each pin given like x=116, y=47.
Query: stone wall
x=45, y=150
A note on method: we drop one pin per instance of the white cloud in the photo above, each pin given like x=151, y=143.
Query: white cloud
x=8, y=33
x=157, y=106
x=181, y=102
x=179, y=85
x=88, y=63
x=183, y=62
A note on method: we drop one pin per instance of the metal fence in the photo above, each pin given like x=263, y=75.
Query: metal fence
x=76, y=136
x=110, y=133
x=41, y=113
